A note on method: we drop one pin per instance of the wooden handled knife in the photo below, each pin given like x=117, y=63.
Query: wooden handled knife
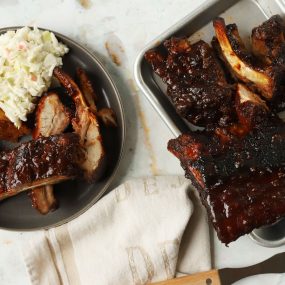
x=227, y=276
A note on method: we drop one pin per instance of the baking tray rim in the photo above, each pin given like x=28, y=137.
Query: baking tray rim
x=160, y=110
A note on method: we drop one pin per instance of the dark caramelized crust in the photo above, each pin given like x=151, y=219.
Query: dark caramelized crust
x=251, y=109
x=211, y=161
x=195, y=81
x=246, y=202
x=39, y=162
x=268, y=40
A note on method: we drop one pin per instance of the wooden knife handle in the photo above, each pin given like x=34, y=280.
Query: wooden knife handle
x=203, y=278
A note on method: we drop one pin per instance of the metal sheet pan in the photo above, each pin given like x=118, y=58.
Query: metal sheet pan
x=198, y=25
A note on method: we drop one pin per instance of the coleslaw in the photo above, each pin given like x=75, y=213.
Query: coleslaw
x=27, y=59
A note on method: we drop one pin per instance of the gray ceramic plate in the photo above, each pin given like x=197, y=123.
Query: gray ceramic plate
x=75, y=197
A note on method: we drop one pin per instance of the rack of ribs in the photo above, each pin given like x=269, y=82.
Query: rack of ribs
x=238, y=179
x=44, y=161
x=237, y=162
x=196, y=83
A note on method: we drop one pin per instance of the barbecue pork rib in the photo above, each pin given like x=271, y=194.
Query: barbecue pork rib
x=87, y=89
x=43, y=161
x=196, y=83
x=85, y=124
x=52, y=118
x=244, y=66
x=241, y=181
x=250, y=108
x=246, y=202
x=268, y=41
x=208, y=160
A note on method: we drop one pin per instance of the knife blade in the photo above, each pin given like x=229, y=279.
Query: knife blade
x=227, y=276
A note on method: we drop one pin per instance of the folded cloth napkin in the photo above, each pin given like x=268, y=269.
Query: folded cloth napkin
x=131, y=236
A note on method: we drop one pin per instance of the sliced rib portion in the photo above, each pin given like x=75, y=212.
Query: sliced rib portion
x=268, y=41
x=52, y=118
x=196, y=83
x=108, y=117
x=9, y=132
x=43, y=199
x=250, y=109
x=246, y=202
x=87, y=89
x=39, y=162
x=211, y=161
x=242, y=64
x=86, y=126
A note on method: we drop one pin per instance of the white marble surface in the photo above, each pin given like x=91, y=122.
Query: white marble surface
x=126, y=26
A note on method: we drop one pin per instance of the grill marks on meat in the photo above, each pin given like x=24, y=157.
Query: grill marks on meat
x=195, y=81
x=39, y=162
x=52, y=118
x=86, y=126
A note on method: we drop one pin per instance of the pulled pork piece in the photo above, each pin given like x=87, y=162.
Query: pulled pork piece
x=196, y=82
x=9, y=132
x=52, y=118
x=85, y=124
x=265, y=79
x=39, y=162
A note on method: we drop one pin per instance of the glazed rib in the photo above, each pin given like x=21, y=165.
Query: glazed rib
x=85, y=124
x=196, y=83
x=246, y=202
x=211, y=161
x=39, y=162
x=52, y=118
x=268, y=41
x=250, y=108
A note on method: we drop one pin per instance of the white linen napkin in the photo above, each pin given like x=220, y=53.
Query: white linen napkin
x=131, y=236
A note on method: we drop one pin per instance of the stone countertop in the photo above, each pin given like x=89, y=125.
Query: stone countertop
x=116, y=31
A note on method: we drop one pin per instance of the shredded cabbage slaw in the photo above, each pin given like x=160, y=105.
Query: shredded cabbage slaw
x=27, y=59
